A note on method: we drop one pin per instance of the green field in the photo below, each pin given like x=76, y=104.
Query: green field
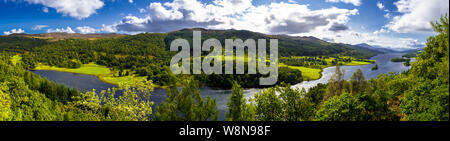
x=102, y=72
x=356, y=63
x=307, y=73
x=89, y=69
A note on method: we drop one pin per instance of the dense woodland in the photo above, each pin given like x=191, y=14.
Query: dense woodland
x=421, y=93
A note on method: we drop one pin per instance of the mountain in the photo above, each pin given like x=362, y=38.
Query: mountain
x=287, y=45
x=375, y=48
x=61, y=36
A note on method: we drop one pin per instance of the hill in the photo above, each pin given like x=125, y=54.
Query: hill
x=288, y=45
x=374, y=48
x=61, y=36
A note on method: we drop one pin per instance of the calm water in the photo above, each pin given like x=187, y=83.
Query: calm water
x=384, y=67
x=87, y=82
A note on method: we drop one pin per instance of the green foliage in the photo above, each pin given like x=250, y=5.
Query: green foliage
x=317, y=93
x=304, y=61
x=289, y=105
x=428, y=99
x=161, y=75
x=433, y=62
x=296, y=106
x=351, y=107
x=400, y=60
x=5, y=103
x=269, y=107
x=342, y=108
x=336, y=83
x=133, y=105
x=375, y=67
x=186, y=105
x=20, y=44
x=238, y=108
x=289, y=76
x=357, y=82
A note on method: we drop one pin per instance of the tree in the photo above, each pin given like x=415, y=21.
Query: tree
x=238, y=108
x=5, y=103
x=358, y=82
x=433, y=62
x=133, y=105
x=336, y=83
x=268, y=106
x=296, y=107
x=429, y=98
x=426, y=101
x=342, y=108
x=186, y=105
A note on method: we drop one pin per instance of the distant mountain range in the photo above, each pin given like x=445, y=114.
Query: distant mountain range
x=384, y=49
x=376, y=48
x=62, y=35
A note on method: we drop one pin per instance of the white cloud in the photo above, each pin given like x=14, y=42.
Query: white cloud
x=45, y=10
x=108, y=28
x=66, y=30
x=380, y=5
x=79, y=9
x=292, y=1
x=387, y=15
x=86, y=30
x=142, y=10
x=130, y=1
x=375, y=39
x=14, y=31
x=354, y=2
x=382, y=30
x=275, y=18
x=39, y=27
x=417, y=15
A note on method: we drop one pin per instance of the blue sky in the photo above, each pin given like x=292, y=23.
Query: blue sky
x=387, y=23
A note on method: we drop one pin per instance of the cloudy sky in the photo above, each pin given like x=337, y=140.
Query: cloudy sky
x=387, y=23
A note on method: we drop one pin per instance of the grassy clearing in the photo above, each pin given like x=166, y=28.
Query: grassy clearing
x=102, y=72
x=89, y=69
x=356, y=63
x=307, y=73
x=16, y=59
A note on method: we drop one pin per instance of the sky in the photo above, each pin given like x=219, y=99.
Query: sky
x=396, y=24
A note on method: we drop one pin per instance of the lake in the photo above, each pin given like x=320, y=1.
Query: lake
x=87, y=82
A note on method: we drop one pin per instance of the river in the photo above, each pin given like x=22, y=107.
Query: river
x=87, y=82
